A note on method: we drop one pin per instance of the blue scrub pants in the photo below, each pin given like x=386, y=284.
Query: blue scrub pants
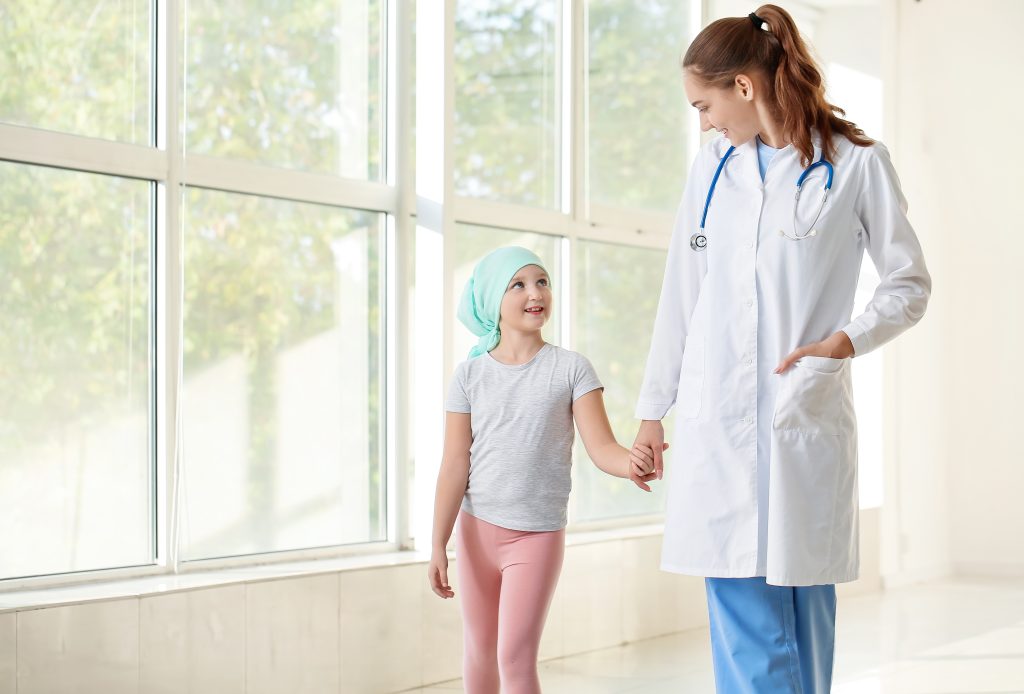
x=771, y=639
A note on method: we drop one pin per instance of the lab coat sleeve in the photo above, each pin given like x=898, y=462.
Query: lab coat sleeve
x=684, y=273
x=902, y=294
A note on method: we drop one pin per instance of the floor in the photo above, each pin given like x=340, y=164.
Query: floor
x=957, y=636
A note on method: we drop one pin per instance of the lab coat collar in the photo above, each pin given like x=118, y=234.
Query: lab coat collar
x=747, y=152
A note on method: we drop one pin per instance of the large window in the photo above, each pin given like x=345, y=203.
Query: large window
x=225, y=325
x=192, y=281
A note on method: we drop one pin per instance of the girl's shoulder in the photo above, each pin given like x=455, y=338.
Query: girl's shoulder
x=562, y=352
x=464, y=369
x=568, y=356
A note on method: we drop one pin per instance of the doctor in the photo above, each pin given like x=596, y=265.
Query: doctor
x=752, y=344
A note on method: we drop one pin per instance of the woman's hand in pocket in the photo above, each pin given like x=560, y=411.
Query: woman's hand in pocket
x=838, y=346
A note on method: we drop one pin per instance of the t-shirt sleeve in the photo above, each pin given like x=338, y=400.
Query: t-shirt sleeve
x=584, y=378
x=458, y=400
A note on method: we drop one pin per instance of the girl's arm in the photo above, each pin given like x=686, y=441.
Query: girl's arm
x=451, y=487
x=596, y=432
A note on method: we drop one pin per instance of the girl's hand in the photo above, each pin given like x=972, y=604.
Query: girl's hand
x=437, y=574
x=641, y=458
x=652, y=436
x=838, y=346
x=642, y=468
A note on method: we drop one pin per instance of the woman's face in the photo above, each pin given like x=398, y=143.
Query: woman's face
x=730, y=111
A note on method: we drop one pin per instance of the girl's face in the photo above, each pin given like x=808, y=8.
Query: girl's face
x=526, y=305
x=730, y=111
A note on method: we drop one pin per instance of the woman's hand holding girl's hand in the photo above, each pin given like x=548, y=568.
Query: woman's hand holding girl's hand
x=437, y=574
x=838, y=346
x=652, y=437
x=642, y=468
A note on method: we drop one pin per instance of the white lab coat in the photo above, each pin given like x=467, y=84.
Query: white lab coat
x=763, y=478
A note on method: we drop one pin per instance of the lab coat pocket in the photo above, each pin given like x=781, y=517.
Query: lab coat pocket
x=691, y=378
x=812, y=397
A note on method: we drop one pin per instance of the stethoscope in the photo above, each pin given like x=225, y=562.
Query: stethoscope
x=699, y=241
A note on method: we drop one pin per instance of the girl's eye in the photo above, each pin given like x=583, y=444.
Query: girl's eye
x=702, y=109
x=542, y=283
x=518, y=284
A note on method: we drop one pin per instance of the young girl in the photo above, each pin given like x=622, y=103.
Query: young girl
x=507, y=456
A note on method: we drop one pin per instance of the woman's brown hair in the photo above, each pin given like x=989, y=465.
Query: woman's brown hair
x=734, y=45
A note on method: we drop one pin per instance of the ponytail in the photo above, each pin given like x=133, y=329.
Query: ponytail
x=734, y=45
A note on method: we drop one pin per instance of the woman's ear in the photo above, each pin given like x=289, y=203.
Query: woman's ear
x=744, y=87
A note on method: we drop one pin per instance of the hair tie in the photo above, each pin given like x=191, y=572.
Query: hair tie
x=756, y=21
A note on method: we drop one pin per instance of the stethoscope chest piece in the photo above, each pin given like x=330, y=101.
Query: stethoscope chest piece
x=698, y=242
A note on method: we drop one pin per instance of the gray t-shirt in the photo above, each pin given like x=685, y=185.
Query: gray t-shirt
x=521, y=419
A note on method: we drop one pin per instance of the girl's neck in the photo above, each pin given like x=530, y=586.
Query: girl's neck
x=518, y=347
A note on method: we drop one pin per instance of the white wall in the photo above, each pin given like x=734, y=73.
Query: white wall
x=957, y=78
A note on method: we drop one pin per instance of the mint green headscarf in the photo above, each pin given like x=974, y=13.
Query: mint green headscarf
x=480, y=307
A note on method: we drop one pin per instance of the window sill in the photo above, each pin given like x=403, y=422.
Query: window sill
x=59, y=596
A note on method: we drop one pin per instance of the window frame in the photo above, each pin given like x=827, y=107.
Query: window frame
x=416, y=197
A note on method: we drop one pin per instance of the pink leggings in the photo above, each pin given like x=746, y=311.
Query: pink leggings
x=506, y=580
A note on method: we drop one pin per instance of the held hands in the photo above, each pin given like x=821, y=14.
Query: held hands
x=650, y=440
x=642, y=466
x=437, y=574
x=838, y=346
x=645, y=461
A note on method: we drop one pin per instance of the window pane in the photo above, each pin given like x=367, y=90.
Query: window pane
x=75, y=371
x=282, y=408
x=474, y=242
x=618, y=289
x=295, y=85
x=506, y=103
x=78, y=67
x=637, y=123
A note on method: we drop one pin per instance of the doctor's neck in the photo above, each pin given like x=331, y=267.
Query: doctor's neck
x=771, y=132
x=769, y=127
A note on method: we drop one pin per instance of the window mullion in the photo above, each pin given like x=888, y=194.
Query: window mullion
x=400, y=252
x=577, y=135
x=169, y=284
